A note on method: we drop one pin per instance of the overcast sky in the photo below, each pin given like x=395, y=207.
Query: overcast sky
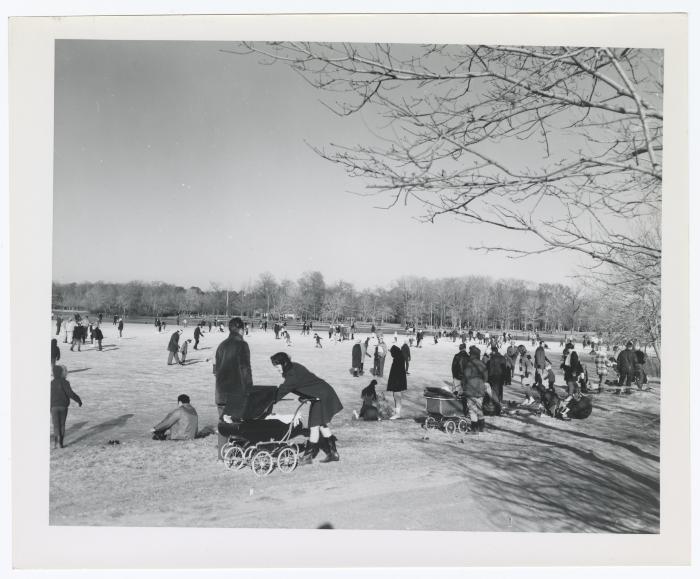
x=177, y=162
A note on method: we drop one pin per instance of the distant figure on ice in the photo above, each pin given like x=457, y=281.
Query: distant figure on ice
x=173, y=347
x=317, y=339
x=197, y=335
x=120, y=326
x=99, y=337
x=182, y=422
x=356, y=358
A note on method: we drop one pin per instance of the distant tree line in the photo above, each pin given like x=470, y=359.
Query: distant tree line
x=478, y=302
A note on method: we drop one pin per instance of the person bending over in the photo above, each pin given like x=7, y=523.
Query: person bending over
x=300, y=381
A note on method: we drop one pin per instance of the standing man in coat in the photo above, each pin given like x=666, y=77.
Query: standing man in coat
x=626, y=361
x=474, y=377
x=99, y=337
x=498, y=370
x=174, y=347
x=197, y=334
x=541, y=361
x=234, y=376
x=457, y=365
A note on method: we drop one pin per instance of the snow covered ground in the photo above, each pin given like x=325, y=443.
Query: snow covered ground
x=524, y=474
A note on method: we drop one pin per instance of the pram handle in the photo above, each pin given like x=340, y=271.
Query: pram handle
x=300, y=399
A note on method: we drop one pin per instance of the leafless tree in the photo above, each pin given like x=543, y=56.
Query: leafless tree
x=563, y=144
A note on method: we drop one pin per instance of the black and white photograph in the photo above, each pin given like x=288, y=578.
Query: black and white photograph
x=357, y=286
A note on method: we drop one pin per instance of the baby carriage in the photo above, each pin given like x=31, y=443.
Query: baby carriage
x=263, y=440
x=445, y=411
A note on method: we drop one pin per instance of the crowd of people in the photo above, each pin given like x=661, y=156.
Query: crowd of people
x=478, y=379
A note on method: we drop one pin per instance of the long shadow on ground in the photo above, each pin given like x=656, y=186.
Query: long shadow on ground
x=99, y=428
x=630, y=447
x=537, y=484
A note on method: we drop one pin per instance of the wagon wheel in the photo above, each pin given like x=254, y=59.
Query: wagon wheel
x=262, y=463
x=234, y=457
x=463, y=425
x=450, y=427
x=248, y=453
x=225, y=448
x=287, y=459
x=430, y=422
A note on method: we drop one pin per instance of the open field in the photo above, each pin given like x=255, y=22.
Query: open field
x=524, y=474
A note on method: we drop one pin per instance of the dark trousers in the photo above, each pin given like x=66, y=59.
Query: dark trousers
x=626, y=379
x=497, y=387
x=240, y=403
x=99, y=344
x=58, y=417
x=196, y=342
x=221, y=438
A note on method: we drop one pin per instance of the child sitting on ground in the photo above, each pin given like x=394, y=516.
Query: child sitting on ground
x=374, y=407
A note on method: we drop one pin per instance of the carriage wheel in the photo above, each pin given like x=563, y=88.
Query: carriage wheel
x=225, y=448
x=262, y=463
x=430, y=422
x=248, y=453
x=450, y=427
x=463, y=425
x=234, y=457
x=287, y=459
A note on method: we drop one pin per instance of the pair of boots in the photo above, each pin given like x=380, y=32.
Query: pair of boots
x=478, y=426
x=326, y=444
x=57, y=441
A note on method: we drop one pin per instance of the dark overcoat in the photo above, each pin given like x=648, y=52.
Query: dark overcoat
x=300, y=381
x=397, y=374
x=474, y=377
x=457, y=364
x=497, y=366
x=234, y=376
x=356, y=356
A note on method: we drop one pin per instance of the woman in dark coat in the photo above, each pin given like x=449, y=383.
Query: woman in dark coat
x=300, y=381
x=397, y=379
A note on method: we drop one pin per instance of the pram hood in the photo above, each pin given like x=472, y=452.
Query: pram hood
x=261, y=400
x=432, y=392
